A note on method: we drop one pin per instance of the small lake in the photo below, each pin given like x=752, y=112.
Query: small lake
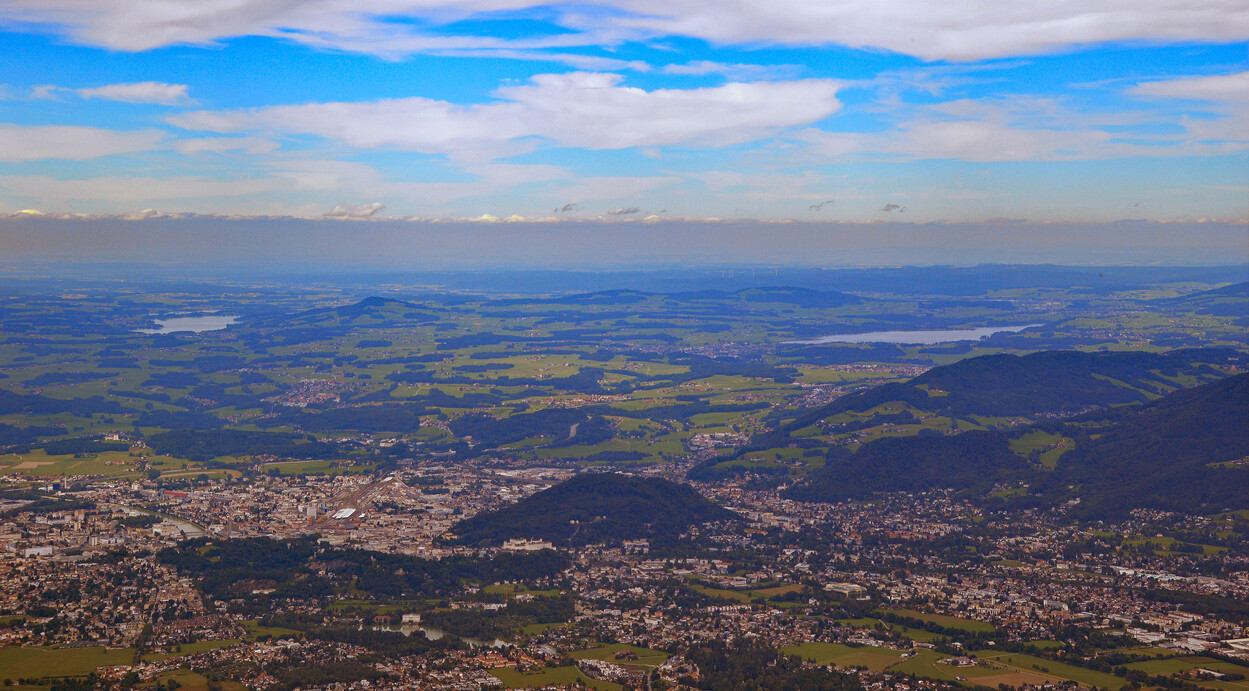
x=206, y=322
x=916, y=337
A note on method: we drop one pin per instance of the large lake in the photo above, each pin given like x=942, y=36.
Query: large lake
x=207, y=322
x=916, y=337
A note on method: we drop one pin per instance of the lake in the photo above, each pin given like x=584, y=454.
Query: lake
x=916, y=337
x=207, y=322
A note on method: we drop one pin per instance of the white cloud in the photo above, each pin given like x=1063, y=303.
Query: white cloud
x=581, y=109
x=32, y=143
x=952, y=29
x=216, y=145
x=980, y=140
x=282, y=186
x=411, y=124
x=1217, y=88
x=594, y=111
x=348, y=211
x=122, y=190
x=986, y=141
x=140, y=92
x=947, y=30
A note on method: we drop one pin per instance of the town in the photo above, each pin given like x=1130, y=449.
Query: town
x=926, y=587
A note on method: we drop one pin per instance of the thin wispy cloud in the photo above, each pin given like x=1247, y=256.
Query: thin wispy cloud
x=140, y=92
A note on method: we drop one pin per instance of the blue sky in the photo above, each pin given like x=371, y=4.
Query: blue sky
x=802, y=110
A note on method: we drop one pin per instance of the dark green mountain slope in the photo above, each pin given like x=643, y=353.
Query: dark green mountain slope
x=596, y=508
x=973, y=460
x=1039, y=385
x=1186, y=452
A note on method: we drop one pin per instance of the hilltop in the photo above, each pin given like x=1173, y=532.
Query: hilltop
x=596, y=508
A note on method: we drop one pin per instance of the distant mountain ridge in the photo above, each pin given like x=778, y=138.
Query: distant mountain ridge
x=594, y=508
x=790, y=295
x=369, y=310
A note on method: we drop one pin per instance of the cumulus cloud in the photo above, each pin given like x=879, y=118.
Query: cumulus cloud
x=820, y=205
x=140, y=92
x=891, y=207
x=567, y=208
x=32, y=143
x=358, y=211
x=623, y=211
x=582, y=109
x=949, y=30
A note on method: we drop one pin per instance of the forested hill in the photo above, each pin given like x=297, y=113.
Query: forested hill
x=1230, y=301
x=968, y=461
x=596, y=508
x=1048, y=382
x=1066, y=380
x=1035, y=386
x=1186, y=452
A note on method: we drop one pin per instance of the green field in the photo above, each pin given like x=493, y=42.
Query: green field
x=646, y=656
x=190, y=681
x=254, y=629
x=16, y=663
x=875, y=659
x=924, y=663
x=1057, y=670
x=548, y=676
x=1179, y=665
x=191, y=649
x=914, y=634
x=1166, y=545
x=969, y=625
x=39, y=464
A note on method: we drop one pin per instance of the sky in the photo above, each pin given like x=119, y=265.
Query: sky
x=806, y=111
